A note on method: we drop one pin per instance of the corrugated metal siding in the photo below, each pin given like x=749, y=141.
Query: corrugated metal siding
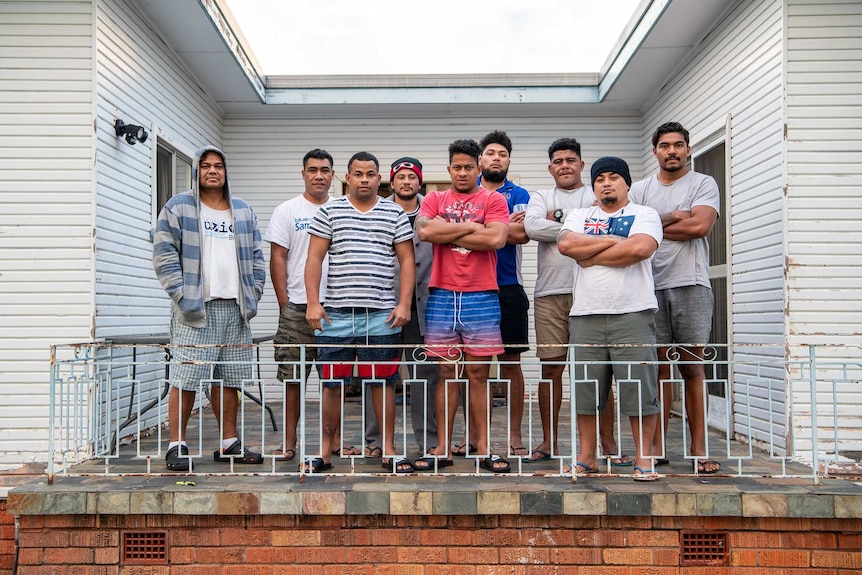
x=266, y=156
x=824, y=244
x=45, y=180
x=737, y=70
x=141, y=81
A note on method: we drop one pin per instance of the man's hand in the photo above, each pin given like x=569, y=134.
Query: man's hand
x=315, y=315
x=399, y=316
x=517, y=217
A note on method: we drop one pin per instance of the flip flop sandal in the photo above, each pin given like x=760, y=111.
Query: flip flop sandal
x=513, y=451
x=470, y=448
x=587, y=470
x=347, y=451
x=641, y=474
x=314, y=465
x=284, y=454
x=491, y=464
x=238, y=454
x=544, y=456
x=623, y=461
x=399, y=465
x=373, y=452
x=699, y=466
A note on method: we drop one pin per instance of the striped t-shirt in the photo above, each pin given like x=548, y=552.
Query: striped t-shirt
x=361, y=251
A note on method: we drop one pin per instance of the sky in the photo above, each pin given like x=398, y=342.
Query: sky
x=436, y=37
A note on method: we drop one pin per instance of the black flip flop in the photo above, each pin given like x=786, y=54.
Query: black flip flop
x=470, y=449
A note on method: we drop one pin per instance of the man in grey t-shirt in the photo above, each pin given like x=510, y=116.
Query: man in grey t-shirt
x=688, y=203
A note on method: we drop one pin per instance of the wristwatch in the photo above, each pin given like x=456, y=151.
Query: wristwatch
x=558, y=215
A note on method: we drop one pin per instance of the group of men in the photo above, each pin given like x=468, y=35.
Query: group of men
x=359, y=278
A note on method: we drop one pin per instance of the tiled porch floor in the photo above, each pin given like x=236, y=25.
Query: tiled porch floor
x=361, y=487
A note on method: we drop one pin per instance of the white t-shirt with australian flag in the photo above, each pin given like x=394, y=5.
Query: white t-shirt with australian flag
x=613, y=290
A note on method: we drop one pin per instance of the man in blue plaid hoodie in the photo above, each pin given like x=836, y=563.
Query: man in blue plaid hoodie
x=208, y=256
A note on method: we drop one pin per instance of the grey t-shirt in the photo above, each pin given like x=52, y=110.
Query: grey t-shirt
x=679, y=264
x=555, y=271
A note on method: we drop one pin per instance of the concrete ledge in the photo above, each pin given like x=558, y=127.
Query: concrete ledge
x=339, y=495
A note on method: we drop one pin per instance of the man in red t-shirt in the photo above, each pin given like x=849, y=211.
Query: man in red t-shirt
x=466, y=224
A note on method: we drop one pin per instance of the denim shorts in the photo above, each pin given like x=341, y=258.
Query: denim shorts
x=358, y=339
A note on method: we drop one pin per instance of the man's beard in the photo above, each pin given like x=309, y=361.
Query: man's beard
x=406, y=195
x=496, y=177
x=676, y=168
x=609, y=200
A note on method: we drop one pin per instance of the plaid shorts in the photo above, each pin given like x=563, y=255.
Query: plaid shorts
x=224, y=348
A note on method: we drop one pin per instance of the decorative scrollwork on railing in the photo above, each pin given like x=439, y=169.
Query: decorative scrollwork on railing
x=420, y=354
x=678, y=353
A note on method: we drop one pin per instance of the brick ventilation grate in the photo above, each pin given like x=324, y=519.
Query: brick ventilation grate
x=703, y=548
x=145, y=548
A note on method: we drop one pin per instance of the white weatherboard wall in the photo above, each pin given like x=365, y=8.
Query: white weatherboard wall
x=141, y=81
x=824, y=197
x=45, y=181
x=266, y=155
x=737, y=70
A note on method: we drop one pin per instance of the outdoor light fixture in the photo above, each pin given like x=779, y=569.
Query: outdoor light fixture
x=131, y=132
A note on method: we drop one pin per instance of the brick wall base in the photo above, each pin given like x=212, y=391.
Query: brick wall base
x=432, y=545
x=7, y=540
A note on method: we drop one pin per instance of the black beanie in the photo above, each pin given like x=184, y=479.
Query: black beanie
x=610, y=164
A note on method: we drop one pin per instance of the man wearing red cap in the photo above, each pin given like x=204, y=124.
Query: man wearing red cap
x=405, y=180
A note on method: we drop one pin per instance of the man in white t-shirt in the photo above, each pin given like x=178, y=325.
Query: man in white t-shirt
x=688, y=203
x=288, y=237
x=614, y=303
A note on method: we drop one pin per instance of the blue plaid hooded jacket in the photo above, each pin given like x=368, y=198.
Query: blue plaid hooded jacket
x=177, y=250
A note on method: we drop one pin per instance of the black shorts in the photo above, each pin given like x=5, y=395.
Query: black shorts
x=514, y=327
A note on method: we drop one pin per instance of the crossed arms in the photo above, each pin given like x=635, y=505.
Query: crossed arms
x=606, y=250
x=470, y=235
x=681, y=225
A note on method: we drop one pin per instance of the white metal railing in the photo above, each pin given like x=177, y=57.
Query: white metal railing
x=781, y=417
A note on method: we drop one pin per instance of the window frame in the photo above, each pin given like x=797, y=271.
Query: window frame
x=719, y=406
x=176, y=151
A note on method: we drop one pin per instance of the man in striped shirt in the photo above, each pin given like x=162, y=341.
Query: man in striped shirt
x=361, y=320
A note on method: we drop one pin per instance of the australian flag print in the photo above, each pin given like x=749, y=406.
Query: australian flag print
x=618, y=226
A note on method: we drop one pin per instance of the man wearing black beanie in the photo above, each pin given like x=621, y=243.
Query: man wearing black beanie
x=612, y=243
